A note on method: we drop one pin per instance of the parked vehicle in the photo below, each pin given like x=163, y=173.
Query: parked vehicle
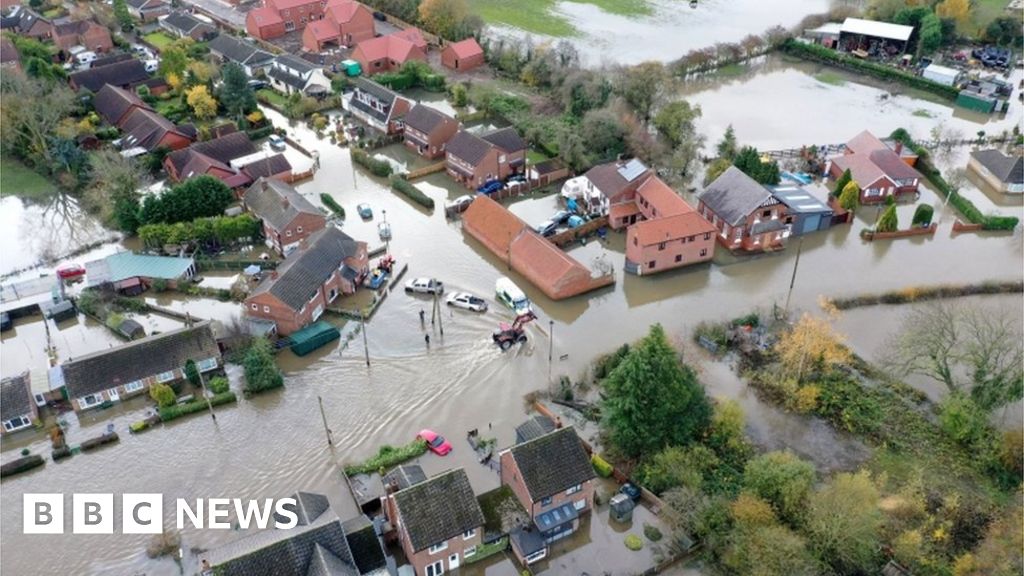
x=85, y=59
x=515, y=333
x=277, y=142
x=576, y=221
x=384, y=230
x=467, y=301
x=490, y=187
x=365, y=212
x=462, y=202
x=152, y=66
x=424, y=286
x=547, y=228
x=510, y=295
x=70, y=271
x=561, y=216
x=435, y=442
x=257, y=84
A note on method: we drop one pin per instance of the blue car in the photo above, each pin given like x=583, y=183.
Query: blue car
x=364, y=211
x=490, y=187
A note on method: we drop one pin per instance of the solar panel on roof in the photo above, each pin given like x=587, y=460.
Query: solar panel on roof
x=632, y=169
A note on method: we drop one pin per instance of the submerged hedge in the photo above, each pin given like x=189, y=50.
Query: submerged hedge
x=376, y=167
x=404, y=187
x=332, y=204
x=387, y=457
x=169, y=413
x=874, y=69
x=921, y=293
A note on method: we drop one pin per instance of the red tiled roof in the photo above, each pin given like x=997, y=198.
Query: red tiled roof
x=494, y=225
x=265, y=16
x=466, y=48
x=288, y=4
x=323, y=30
x=391, y=47
x=664, y=199
x=893, y=166
x=674, y=227
x=864, y=143
x=624, y=210
x=547, y=265
x=862, y=169
x=413, y=35
x=342, y=11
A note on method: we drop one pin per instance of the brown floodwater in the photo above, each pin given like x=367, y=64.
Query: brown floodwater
x=274, y=444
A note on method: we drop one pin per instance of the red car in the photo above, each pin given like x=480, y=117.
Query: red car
x=435, y=442
x=70, y=271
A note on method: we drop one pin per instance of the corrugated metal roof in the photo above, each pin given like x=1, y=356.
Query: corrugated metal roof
x=632, y=170
x=122, y=265
x=877, y=29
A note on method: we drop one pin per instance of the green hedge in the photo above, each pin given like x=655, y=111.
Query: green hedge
x=880, y=71
x=965, y=206
x=376, y=167
x=258, y=133
x=169, y=413
x=411, y=192
x=395, y=80
x=387, y=457
x=20, y=465
x=603, y=468
x=332, y=204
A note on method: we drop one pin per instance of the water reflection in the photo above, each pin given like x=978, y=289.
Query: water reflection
x=31, y=232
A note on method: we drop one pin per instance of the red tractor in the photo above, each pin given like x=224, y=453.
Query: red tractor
x=508, y=334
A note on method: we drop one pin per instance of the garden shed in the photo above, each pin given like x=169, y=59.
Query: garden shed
x=804, y=212
x=312, y=337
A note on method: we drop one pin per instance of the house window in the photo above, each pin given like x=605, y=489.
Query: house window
x=113, y=395
x=289, y=26
x=206, y=365
x=303, y=19
x=90, y=400
x=266, y=309
x=703, y=252
x=21, y=422
x=438, y=547
x=254, y=306
x=707, y=235
x=470, y=552
x=692, y=238
x=661, y=246
x=133, y=386
x=469, y=534
x=538, y=555
x=580, y=504
x=501, y=158
x=574, y=489
x=679, y=257
x=766, y=213
x=545, y=501
x=650, y=264
x=635, y=243
x=436, y=569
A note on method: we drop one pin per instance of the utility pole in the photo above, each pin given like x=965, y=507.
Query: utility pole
x=366, y=346
x=551, y=345
x=792, y=281
x=437, y=311
x=330, y=441
x=387, y=247
x=202, y=384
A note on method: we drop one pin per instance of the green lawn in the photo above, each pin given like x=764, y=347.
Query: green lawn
x=985, y=11
x=16, y=179
x=274, y=97
x=537, y=16
x=536, y=157
x=160, y=39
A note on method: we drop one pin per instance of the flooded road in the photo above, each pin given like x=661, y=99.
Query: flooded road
x=272, y=445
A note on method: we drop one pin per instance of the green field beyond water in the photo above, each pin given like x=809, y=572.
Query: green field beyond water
x=538, y=16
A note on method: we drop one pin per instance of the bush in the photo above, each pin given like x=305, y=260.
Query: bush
x=411, y=192
x=602, y=467
x=387, y=457
x=258, y=133
x=604, y=365
x=376, y=167
x=261, y=373
x=888, y=222
x=751, y=319
x=332, y=204
x=652, y=533
x=219, y=385
x=169, y=413
x=923, y=215
x=633, y=542
x=162, y=394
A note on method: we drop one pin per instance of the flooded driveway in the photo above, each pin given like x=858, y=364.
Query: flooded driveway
x=272, y=445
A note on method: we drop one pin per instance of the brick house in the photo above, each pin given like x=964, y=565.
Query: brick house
x=288, y=218
x=129, y=370
x=552, y=478
x=264, y=23
x=438, y=522
x=746, y=214
x=28, y=23
x=320, y=544
x=18, y=408
x=212, y=157
x=124, y=74
x=184, y=25
x=880, y=169
x=296, y=294
x=345, y=23
x=386, y=53
x=464, y=55
x=231, y=49
x=148, y=10
x=148, y=130
x=380, y=108
x=427, y=131
x=114, y=105
x=82, y=33
x=475, y=160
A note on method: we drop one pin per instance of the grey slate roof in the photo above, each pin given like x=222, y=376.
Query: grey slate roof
x=276, y=203
x=733, y=196
x=405, y=476
x=15, y=397
x=292, y=80
x=438, y=509
x=364, y=544
x=309, y=506
x=1009, y=169
x=223, y=149
x=239, y=51
x=426, y=119
x=535, y=427
x=304, y=272
x=125, y=73
x=299, y=65
x=184, y=22
x=268, y=166
x=552, y=463
x=139, y=359
x=468, y=147
x=506, y=139
x=377, y=92
x=610, y=178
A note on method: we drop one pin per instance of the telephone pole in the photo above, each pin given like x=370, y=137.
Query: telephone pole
x=202, y=384
x=330, y=441
x=366, y=346
x=551, y=345
x=792, y=280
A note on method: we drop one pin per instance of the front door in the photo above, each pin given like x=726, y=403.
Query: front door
x=113, y=394
x=435, y=569
x=453, y=561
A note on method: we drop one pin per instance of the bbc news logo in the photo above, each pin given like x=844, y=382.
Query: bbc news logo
x=144, y=513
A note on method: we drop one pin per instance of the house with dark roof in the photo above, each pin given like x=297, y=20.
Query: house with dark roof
x=263, y=165
x=129, y=370
x=344, y=23
x=125, y=74
x=535, y=427
x=386, y=53
x=403, y=477
x=114, y=104
x=146, y=130
x=319, y=545
x=428, y=130
x=184, y=25
x=327, y=264
x=288, y=217
x=475, y=160
x=552, y=478
x=212, y=157
x=291, y=74
x=1002, y=172
x=462, y=56
x=85, y=33
x=880, y=169
x=231, y=49
x=747, y=216
x=438, y=522
x=26, y=22
x=148, y=10
x=18, y=409
x=378, y=107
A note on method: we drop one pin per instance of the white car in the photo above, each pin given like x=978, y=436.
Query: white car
x=424, y=286
x=467, y=301
x=152, y=66
x=463, y=202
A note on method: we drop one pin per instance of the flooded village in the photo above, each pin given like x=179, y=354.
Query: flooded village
x=439, y=277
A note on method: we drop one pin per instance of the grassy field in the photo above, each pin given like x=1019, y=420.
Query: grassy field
x=537, y=16
x=985, y=11
x=16, y=179
x=160, y=39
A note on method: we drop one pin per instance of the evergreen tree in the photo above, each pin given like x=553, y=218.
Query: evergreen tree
x=849, y=199
x=841, y=182
x=888, y=222
x=261, y=373
x=235, y=94
x=124, y=18
x=727, y=146
x=192, y=372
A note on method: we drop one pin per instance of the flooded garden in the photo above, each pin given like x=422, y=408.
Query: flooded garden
x=274, y=444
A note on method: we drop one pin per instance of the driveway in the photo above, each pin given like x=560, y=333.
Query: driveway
x=224, y=11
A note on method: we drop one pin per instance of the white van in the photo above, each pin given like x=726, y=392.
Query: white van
x=510, y=295
x=152, y=66
x=85, y=59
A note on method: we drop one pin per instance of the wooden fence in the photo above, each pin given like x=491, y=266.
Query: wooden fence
x=426, y=170
x=573, y=234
